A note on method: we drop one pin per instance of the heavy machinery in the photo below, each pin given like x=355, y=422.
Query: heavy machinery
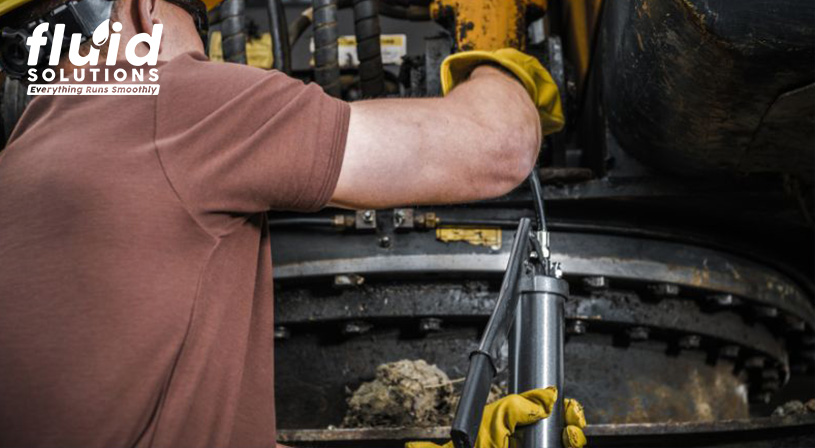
x=679, y=199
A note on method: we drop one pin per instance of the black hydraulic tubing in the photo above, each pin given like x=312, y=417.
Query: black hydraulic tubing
x=369, y=50
x=233, y=30
x=281, y=48
x=412, y=13
x=326, y=65
x=483, y=367
x=302, y=221
x=537, y=199
x=299, y=26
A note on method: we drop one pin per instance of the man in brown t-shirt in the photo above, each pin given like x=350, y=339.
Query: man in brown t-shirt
x=135, y=267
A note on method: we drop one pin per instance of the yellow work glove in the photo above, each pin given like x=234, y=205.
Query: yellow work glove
x=538, y=82
x=503, y=416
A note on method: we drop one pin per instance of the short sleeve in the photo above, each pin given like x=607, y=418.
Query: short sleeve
x=238, y=140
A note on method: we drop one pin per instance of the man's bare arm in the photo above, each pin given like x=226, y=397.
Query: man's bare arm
x=478, y=142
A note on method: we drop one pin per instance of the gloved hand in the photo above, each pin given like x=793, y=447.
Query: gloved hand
x=501, y=417
x=538, y=82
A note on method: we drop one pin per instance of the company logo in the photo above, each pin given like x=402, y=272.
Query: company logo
x=92, y=76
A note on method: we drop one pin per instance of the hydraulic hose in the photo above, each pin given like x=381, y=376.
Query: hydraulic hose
x=281, y=48
x=326, y=65
x=369, y=50
x=300, y=25
x=233, y=30
x=537, y=199
x=412, y=13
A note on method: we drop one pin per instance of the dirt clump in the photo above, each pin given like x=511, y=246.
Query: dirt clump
x=404, y=393
x=407, y=393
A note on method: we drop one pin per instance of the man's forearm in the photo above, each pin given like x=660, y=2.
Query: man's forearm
x=478, y=142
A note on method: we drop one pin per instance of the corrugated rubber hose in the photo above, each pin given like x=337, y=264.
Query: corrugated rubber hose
x=233, y=31
x=368, y=32
x=326, y=66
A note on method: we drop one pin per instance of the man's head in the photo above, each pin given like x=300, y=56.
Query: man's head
x=137, y=16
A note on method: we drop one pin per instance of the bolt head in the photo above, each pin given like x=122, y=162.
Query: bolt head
x=638, y=333
x=576, y=327
x=598, y=282
x=665, y=289
x=730, y=351
x=430, y=325
x=385, y=241
x=281, y=333
x=352, y=328
x=690, y=341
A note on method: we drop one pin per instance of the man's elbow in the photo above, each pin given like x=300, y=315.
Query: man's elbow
x=515, y=158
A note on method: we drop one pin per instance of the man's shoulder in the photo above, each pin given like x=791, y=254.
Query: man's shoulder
x=196, y=66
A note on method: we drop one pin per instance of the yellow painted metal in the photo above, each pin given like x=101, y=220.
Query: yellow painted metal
x=6, y=6
x=490, y=237
x=487, y=24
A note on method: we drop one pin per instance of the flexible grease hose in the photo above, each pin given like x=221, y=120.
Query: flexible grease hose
x=233, y=31
x=326, y=66
x=369, y=50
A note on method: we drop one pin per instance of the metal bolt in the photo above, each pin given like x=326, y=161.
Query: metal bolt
x=368, y=216
x=356, y=327
x=598, y=282
x=347, y=280
x=754, y=362
x=385, y=241
x=430, y=325
x=730, y=351
x=665, y=289
x=690, y=341
x=766, y=311
x=576, y=327
x=404, y=218
x=723, y=299
x=281, y=333
x=638, y=333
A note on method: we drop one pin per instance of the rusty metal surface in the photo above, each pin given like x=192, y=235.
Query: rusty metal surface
x=487, y=24
x=796, y=431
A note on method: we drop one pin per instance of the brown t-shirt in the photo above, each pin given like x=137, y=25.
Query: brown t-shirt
x=135, y=267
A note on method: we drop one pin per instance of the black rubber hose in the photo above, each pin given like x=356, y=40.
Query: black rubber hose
x=369, y=50
x=413, y=13
x=298, y=27
x=233, y=30
x=537, y=199
x=326, y=65
x=302, y=221
x=279, y=28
